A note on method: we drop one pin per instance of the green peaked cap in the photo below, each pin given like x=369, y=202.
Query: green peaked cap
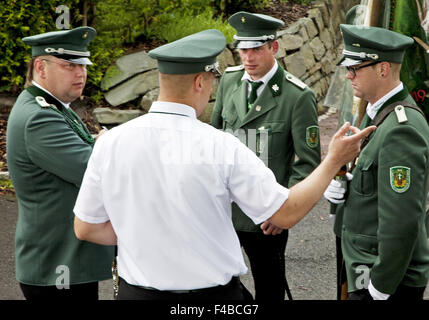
x=363, y=43
x=254, y=29
x=192, y=54
x=70, y=45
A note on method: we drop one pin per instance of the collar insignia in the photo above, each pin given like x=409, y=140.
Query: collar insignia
x=275, y=87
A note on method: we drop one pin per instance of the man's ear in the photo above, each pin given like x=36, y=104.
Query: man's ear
x=39, y=68
x=385, y=68
x=198, y=82
x=275, y=46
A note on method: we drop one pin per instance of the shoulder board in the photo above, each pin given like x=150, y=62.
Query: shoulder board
x=295, y=80
x=42, y=102
x=400, y=114
x=235, y=68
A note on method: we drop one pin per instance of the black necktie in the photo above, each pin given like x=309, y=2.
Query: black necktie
x=253, y=95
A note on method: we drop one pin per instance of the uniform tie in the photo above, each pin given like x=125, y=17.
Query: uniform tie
x=253, y=95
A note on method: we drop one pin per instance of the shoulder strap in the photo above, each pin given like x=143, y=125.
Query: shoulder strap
x=381, y=116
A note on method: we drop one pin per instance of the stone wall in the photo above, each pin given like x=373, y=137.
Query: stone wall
x=309, y=48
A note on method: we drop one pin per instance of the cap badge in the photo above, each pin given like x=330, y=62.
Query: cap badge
x=243, y=19
x=356, y=44
x=85, y=35
x=275, y=87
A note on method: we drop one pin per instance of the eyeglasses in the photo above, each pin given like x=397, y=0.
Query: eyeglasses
x=68, y=66
x=354, y=69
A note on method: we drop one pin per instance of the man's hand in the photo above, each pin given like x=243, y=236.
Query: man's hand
x=343, y=149
x=102, y=131
x=270, y=229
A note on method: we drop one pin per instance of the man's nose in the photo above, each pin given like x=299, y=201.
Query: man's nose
x=349, y=75
x=80, y=70
x=249, y=54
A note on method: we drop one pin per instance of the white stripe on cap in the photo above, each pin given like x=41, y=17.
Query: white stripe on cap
x=263, y=38
x=250, y=44
x=361, y=55
x=71, y=52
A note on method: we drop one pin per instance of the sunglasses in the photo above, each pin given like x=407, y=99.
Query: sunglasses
x=354, y=69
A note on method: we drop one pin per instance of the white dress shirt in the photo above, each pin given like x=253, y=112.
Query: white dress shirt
x=267, y=77
x=372, y=109
x=166, y=181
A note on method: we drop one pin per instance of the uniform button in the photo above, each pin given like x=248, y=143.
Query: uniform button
x=258, y=108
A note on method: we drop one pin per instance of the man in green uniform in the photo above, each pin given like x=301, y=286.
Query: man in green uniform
x=385, y=233
x=275, y=114
x=48, y=147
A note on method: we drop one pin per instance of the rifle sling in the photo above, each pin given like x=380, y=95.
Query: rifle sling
x=381, y=116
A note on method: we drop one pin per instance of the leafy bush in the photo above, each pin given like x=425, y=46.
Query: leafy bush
x=119, y=24
x=20, y=18
x=181, y=23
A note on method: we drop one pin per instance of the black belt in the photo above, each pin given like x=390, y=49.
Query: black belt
x=234, y=280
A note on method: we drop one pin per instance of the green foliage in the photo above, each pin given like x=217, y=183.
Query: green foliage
x=120, y=24
x=6, y=185
x=183, y=22
x=20, y=18
x=414, y=71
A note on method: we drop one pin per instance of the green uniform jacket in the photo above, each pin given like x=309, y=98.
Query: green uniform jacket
x=47, y=160
x=285, y=112
x=384, y=217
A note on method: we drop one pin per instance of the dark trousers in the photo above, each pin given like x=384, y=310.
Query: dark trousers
x=266, y=255
x=234, y=290
x=84, y=291
x=402, y=293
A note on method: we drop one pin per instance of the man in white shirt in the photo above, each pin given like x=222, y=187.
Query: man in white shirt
x=161, y=186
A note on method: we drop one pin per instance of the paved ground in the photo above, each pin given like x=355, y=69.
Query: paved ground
x=310, y=253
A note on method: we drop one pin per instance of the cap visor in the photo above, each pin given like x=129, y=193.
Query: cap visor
x=347, y=62
x=84, y=61
x=249, y=44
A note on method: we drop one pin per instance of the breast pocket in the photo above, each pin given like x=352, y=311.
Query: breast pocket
x=270, y=140
x=229, y=119
x=365, y=177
